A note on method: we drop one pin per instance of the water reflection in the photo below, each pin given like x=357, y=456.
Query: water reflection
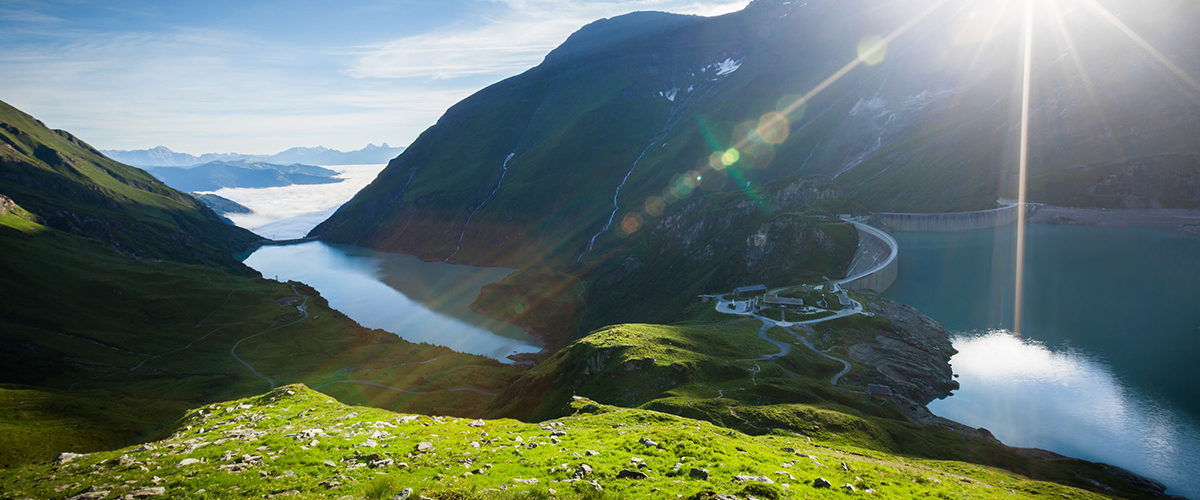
x=1067, y=401
x=418, y=301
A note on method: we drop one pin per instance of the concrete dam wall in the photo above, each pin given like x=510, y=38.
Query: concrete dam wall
x=948, y=222
x=874, y=266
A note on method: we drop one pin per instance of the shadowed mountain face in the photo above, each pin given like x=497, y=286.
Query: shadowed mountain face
x=71, y=187
x=633, y=114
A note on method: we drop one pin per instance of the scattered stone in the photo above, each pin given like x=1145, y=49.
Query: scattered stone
x=583, y=470
x=309, y=434
x=90, y=495
x=370, y=443
x=592, y=453
x=741, y=478
x=650, y=443
x=403, y=495
x=384, y=462
x=631, y=474
x=188, y=461
x=525, y=481
x=788, y=449
x=785, y=473
x=67, y=457
x=283, y=493
x=845, y=467
x=701, y=474
x=329, y=463
x=821, y=482
x=155, y=491
x=848, y=487
x=476, y=423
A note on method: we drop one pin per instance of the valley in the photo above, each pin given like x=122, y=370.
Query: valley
x=769, y=250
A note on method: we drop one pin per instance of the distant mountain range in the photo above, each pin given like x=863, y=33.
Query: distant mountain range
x=239, y=173
x=162, y=156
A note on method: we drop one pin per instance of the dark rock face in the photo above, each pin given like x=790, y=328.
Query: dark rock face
x=910, y=355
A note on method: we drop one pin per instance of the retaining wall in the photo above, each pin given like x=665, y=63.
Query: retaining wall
x=947, y=222
x=874, y=266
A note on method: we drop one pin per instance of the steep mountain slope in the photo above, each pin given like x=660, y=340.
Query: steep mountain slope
x=297, y=442
x=72, y=187
x=642, y=110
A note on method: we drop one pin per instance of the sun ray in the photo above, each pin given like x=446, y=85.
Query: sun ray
x=1162, y=59
x=1089, y=87
x=1022, y=166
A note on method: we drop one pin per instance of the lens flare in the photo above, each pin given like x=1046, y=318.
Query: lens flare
x=872, y=49
x=631, y=223
x=655, y=206
x=716, y=160
x=730, y=156
x=773, y=127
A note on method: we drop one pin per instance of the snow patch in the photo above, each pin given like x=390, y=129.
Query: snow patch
x=727, y=66
x=669, y=94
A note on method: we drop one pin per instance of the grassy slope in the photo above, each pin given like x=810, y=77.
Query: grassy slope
x=73, y=187
x=483, y=461
x=85, y=324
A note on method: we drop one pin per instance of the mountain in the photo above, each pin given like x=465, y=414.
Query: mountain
x=650, y=108
x=324, y=156
x=106, y=348
x=215, y=175
x=161, y=156
x=73, y=188
x=221, y=205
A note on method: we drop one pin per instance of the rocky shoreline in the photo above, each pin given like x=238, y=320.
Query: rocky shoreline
x=1186, y=221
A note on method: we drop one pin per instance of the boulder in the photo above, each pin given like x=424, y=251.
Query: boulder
x=631, y=474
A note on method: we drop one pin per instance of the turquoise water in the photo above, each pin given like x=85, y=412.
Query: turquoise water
x=418, y=301
x=1105, y=366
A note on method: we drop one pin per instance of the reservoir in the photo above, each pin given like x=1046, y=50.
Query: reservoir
x=416, y=300
x=1105, y=366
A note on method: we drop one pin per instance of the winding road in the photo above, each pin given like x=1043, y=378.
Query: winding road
x=303, y=308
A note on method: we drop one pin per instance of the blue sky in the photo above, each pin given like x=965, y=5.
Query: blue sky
x=259, y=77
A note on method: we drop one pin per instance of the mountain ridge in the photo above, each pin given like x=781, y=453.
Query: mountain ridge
x=162, y=156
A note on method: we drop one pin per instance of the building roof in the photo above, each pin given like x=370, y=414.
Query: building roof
x=750, y=288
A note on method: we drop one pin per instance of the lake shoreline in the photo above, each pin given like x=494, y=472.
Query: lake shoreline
x=1186, y=221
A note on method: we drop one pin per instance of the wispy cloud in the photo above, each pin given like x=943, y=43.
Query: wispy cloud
x=506, y=45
